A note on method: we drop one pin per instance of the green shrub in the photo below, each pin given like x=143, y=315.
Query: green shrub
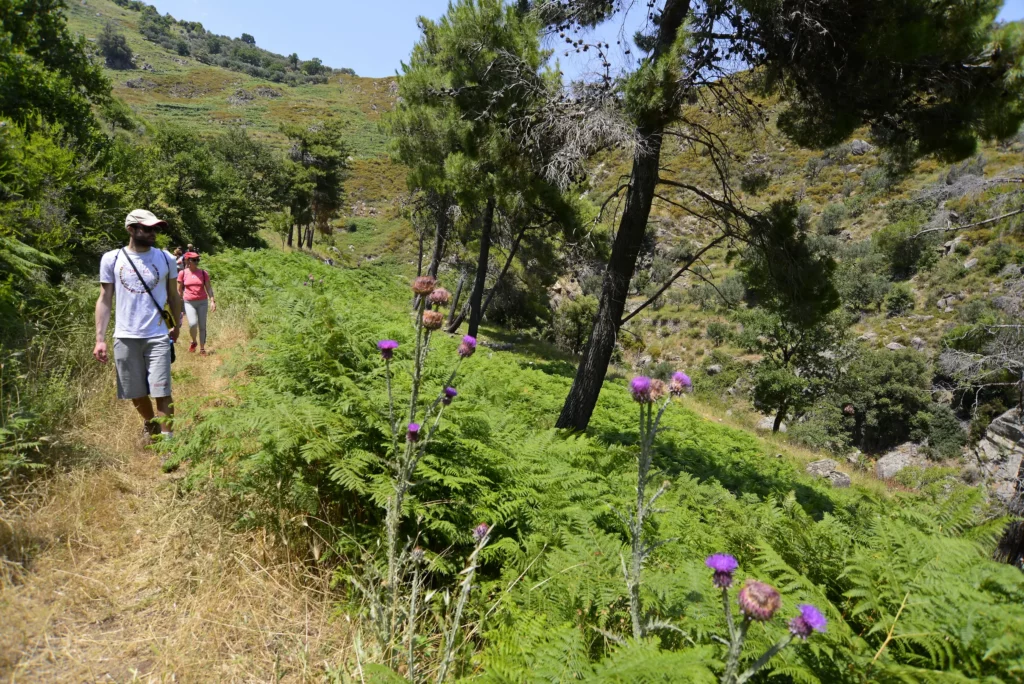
x=718, y=332
x=887, y=390
x=904, y=255
x=861, y=277
x=831, y=221
x=572, y=322
x=942, y=432
x=114, y=48
x=899, y=300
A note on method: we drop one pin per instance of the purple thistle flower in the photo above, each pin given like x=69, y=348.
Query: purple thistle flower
x=680, y=383
x=640, y=388
x=387, y=348
x=449, y=394
x=809, y=620
x=414, y=432
x=467, y=347
x=480, y=531
x=724, y=565
x=759, y=601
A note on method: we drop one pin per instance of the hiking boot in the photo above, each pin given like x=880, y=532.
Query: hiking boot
x=192, y=347
x=202, y=352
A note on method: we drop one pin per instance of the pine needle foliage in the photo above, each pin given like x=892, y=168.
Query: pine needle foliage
x=905, y=579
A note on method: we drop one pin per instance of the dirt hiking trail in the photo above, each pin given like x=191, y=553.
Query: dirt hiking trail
x=127, y=580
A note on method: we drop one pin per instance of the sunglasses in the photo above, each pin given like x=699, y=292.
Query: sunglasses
x=144, y=229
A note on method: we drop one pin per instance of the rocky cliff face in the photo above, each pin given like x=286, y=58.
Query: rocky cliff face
x=999, y=455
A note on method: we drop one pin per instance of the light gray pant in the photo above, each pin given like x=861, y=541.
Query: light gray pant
x=195, y=311
x=143, y=367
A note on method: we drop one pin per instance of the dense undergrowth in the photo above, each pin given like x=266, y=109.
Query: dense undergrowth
x=905, y=580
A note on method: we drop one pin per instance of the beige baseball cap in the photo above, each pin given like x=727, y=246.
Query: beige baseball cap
x=144, y=217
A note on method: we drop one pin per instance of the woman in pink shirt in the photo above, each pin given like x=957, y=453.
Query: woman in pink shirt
x=194, y=286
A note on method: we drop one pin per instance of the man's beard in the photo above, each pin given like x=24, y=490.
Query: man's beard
x=144, y=239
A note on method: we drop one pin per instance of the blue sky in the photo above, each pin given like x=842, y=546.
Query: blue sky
x=370, y=36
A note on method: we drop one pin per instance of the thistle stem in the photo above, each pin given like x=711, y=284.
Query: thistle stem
x=453, y=633
x=732, y=660
x=763, y=660
x=411, y=638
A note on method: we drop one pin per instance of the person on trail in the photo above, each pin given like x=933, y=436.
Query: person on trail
x=178, y=257
x=143, y=280
x=194, y=285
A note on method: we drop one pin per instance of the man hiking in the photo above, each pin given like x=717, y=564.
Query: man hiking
x=144, y=280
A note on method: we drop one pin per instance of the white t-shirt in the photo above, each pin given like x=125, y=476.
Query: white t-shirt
x=136, y=315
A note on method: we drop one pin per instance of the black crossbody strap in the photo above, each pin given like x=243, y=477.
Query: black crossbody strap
x=143, y=281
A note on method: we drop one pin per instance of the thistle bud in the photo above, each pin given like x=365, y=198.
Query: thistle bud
x=440, y=297
x=759, y=601
x=433, y=320
x=424, y=285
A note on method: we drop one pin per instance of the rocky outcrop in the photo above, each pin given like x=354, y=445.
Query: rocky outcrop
x=767, y=423
x=999, y=456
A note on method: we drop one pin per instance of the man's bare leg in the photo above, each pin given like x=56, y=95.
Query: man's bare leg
x=145, y=408
x=165, y=414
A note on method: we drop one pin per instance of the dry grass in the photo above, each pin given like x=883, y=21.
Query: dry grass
x=128, y=581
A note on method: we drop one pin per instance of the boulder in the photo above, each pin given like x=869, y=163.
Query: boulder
x=821, y=468
x=714, y=369
x=918, y=344
x=1010, y=271
x=840, y=480
x=868, y=337
x=894, y=346
x=970, y=263
x=893, y=462
x=859, y=148
x=845, y=235
x=828, y=469
x=767, y=423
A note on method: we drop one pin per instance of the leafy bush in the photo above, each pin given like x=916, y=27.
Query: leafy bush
x=572, y=322
x=899, y=300
x=861, y=277
x=114, y=48
x=886, y=390
x=905, y=255
x=718, y=332
x=941, y=430
x=831, y=221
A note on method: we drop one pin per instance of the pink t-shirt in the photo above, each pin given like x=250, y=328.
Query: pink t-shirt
x=194, y=282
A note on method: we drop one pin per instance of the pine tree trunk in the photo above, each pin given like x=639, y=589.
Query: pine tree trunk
x=476, y=299
x=455, y=303
x=309, y=236
x=504, y=270
x=291, y=230
x=440, y=237
x=597, y=353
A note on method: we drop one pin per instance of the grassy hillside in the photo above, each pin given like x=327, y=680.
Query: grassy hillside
x=167, y=88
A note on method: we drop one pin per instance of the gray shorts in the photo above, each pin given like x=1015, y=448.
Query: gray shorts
x=143, y=367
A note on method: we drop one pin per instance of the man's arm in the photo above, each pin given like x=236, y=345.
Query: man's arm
x=174, y=299
x=103, y=306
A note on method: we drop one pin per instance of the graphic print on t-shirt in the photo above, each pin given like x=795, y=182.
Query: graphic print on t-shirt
x=131, y=282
